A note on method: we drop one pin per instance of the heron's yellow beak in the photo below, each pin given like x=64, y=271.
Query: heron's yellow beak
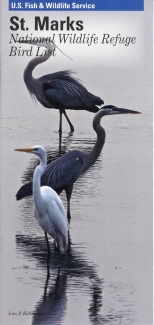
x=24, y=149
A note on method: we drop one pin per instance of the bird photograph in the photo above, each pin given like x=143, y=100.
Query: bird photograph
x=59, y=90
x=64, y=171
x=76, y=166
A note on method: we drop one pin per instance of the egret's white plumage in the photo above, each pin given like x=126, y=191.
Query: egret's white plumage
x=49, y=210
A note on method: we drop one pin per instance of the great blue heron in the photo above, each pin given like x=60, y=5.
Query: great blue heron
x=49, y=209
x=61, y=173
x=58, y=90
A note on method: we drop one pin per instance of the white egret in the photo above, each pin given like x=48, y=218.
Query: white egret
x=49, y=209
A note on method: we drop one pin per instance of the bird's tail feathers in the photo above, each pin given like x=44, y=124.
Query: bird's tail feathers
x=24, y=191
x=62, y=243
x=93, y=109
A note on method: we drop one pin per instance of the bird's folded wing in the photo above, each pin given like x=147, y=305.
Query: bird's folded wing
x=63, y=172
x=70, y=94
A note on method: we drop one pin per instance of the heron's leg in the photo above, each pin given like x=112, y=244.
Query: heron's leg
x=48, y=256
x=60, y=137
x=69, y=122
x=60, y=122
x=68, y=191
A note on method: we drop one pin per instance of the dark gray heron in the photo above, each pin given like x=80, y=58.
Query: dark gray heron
x=58, y=90
x=63, y=172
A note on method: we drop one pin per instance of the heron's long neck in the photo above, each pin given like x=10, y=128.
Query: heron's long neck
x=37, y=179
x=28, y=77
x=92, y=156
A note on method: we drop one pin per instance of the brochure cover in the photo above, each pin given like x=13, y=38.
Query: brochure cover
x=76, y=94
